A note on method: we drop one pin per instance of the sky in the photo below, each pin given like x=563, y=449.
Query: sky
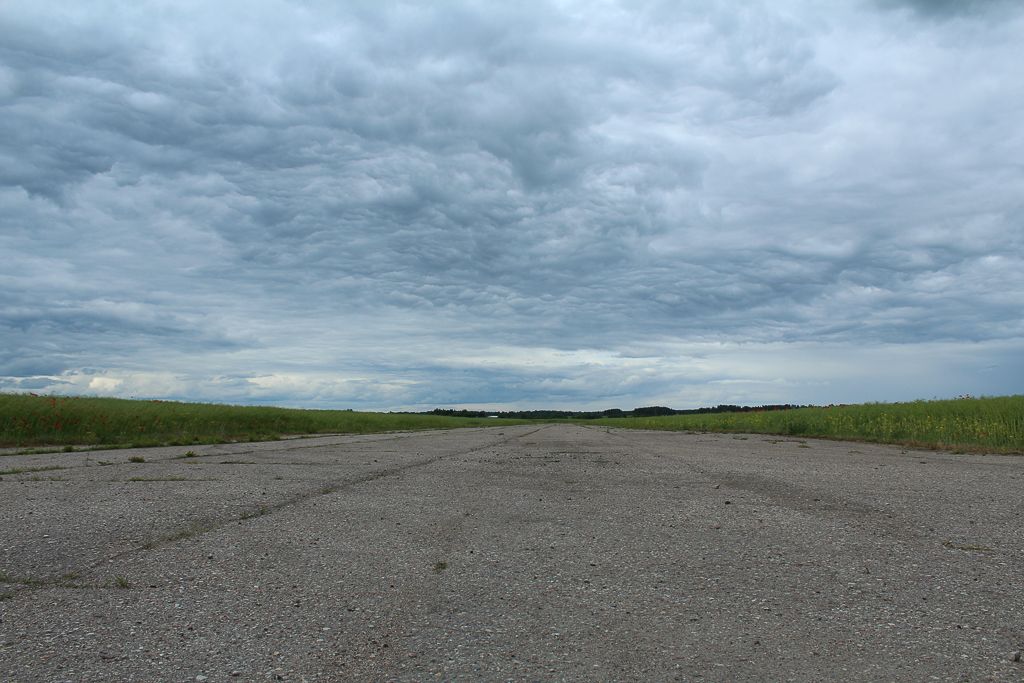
x=580, y=205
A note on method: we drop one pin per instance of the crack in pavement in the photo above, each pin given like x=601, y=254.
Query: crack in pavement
x=199, y=528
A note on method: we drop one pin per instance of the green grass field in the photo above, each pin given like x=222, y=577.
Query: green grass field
x=27, y=420
x=983, y=424
x=976, y=424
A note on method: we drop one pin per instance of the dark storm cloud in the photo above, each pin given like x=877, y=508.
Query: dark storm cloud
x=395, y=204
x=944, y=9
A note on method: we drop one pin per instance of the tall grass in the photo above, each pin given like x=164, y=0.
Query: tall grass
x=971, y=424
x=27, y=420
x=982, y=424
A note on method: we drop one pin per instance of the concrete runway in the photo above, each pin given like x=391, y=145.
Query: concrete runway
x=542, y=552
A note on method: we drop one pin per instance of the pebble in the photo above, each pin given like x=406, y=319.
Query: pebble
x=1017, y=655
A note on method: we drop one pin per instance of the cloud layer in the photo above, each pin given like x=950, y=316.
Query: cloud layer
x=552, y=204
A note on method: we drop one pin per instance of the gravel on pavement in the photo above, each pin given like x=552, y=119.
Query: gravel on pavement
x=535, y=552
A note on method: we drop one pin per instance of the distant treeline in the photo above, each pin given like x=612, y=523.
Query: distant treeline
x=646, y=411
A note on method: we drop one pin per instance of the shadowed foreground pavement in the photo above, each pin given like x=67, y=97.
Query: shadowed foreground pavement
x=513, y=553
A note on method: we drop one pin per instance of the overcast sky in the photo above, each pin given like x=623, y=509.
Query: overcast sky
x=542, y=204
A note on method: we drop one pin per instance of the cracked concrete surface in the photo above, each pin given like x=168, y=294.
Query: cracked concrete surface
x=538, y=552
